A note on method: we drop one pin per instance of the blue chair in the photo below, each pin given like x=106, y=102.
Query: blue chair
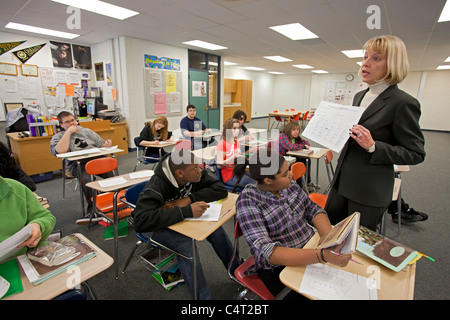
x=142, y=158
x=130, y=198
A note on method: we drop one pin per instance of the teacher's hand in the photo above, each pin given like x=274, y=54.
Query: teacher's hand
x=362, y=136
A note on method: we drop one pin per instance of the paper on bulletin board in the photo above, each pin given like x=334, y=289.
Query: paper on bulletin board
x=160, y=102
x=171, y=82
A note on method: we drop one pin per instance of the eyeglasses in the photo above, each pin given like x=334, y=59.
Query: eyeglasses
x=69, y=121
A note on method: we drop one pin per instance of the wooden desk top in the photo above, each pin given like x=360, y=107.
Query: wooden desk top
x=58, y=284
x=200, y=230
x=318, y=153
x=392, y=285
x=207, y=154
x=286, y=113
x=127, y=176
x=93, y=155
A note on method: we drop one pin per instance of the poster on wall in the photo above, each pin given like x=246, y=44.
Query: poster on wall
x=61, y=54
x=81, y=57
x=25, y=54
x=155, y=62
x=108, y=72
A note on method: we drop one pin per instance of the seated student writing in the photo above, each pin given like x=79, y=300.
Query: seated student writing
x=290, y=139
x=275, y=215
x=180, y=189
x=152, y=134
x=75, y=138
x=228, y=153
x=193, y=128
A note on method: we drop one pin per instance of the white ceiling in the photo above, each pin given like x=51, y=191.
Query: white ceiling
x=243, y=27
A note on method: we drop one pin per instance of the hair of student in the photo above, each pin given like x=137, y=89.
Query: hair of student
x=240, y=114
x=7, y=162
x=164, y=132
x=228, y=125
x=190, y=106
x=394, y=49
x=291, y=125
x=264, y=163
x=64, y=114
x=180, y=159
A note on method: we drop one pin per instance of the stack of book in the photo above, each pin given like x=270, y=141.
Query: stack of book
x=56, y=257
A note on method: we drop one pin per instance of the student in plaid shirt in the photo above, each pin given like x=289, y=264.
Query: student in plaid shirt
x=275, y=215
x=290, y=139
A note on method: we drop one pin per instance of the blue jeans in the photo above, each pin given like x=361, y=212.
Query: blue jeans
x=182, y=244
x=246, y=179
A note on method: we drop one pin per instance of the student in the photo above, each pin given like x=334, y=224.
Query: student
x=228, y=153
x=10, y=169
x=19, y=207
x=275, y=216
x=193, y=128
x=388, y=133
x=290, y=139
x=75, y=138
x=180, y=189
x=241, y=116
x=153, y=133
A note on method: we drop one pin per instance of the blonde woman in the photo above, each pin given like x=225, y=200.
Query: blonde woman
x=153, y=133
x=388, y=133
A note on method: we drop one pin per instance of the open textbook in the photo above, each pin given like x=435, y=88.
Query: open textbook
x=331, y=124
x=346, y=229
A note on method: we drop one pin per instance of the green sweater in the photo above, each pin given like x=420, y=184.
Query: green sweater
x=20, y=207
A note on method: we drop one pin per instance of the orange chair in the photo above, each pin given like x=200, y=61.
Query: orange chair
x=103, y=202
x=304, y=119
x=297, y=117
x=251, y=282
x=277, y=118
x=298, y=170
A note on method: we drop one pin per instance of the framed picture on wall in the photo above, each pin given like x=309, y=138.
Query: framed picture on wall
x=11, y=106
x=8, y=68
x=99, y=74
x=29, y=70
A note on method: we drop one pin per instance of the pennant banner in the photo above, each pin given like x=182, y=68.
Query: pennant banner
x=25, y=54
x=6, y=46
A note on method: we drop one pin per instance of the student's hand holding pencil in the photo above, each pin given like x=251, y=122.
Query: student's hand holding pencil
x=198, y=208
x=329, y=255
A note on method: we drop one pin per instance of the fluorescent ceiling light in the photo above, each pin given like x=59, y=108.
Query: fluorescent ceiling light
x=228, y=63
x=354, y=53
x=302, y=66
x=49, y=32
x=359, y=63
x=447, y=60
x=278, y=58
x=443, y=67
x=274, y=72
x=319, y=71
x=294, y=31
x=204, y=45
x=100, y=7
x=445, y=14
x=253, y=68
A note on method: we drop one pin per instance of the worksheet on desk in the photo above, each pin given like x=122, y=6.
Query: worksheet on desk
x=331, y=124
x=328, y=283
x=211, y=214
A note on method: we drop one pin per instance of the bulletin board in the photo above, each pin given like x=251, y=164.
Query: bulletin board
x=163, y=92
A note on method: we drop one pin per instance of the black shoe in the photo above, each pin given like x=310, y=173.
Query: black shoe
x=410, y=216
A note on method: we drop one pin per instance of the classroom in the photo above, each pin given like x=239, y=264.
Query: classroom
x=128, y=70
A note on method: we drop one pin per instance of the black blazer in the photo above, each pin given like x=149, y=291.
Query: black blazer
x=393, y=121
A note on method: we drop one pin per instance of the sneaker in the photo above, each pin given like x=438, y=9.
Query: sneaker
x=410, y=216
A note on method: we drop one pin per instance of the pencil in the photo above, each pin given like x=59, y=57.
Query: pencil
x=338, y=254
x=424, y=255
x=225, y=213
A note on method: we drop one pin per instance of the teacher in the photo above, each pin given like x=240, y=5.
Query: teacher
x=388, y=133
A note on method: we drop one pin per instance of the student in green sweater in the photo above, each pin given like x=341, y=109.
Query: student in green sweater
x=19, y=207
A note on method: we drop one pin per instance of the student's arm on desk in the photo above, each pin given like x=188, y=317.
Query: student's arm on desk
x=63, y=144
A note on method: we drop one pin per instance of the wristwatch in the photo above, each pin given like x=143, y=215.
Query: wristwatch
x=371, y=148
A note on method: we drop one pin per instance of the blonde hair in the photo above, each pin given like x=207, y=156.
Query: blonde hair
x=164, y=132
x=394, y=49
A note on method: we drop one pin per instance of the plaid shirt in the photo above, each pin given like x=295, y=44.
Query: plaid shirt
x=285, y=144
x=268, y=221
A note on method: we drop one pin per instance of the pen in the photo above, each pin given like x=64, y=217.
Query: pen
x=424, y=255
x=338, y=254
x=225, y=213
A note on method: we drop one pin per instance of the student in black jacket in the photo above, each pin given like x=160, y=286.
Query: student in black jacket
x=180, y=189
